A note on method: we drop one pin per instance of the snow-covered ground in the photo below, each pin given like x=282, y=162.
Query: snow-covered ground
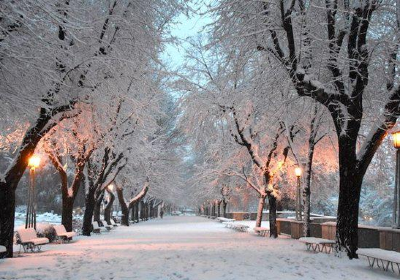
x=183, y=248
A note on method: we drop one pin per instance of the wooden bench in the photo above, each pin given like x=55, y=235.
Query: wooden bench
x=62, y=233
x=382, y=258
x=223, y=219
x=28, y=239
x=95, y=227
x=236, y=226
x=106, y=225
x=318, y=244
x=261, y=231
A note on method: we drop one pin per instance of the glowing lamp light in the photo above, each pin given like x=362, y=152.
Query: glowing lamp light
x=297, y=171
x=111, y=187
x=34, y=161
x=396, y=139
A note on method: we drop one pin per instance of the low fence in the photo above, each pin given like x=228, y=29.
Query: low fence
x=325, y=227
x=368, y=236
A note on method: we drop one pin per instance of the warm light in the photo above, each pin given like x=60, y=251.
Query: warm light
x=396, y=139
x=297, y=171
x=111, y=187
x=34, y=161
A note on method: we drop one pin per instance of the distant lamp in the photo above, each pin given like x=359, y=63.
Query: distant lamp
x=34, y=161
x=396, y=139
x=298, y=171
x=110, y=187
x=396, y=204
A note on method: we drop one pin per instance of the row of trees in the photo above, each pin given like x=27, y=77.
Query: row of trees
x=286, y=83
x=81, y=84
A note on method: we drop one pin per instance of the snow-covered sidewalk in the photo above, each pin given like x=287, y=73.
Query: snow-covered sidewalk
x=183, y=248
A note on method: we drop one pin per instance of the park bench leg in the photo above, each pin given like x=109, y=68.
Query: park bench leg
x=315, y=247
x=371, y=264
x=387, y=265
x=329, y=249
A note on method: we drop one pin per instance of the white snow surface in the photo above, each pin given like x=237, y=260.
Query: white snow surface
x=183, y=248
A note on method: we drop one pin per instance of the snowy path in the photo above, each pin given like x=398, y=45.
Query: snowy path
x=183, y=248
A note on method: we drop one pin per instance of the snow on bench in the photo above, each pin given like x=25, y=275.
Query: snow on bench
x=62, y=233
x=223, y=219
x=28, y=239
x=261, y=231
x=382, y=258
x=106, y=225
x=318, y=244
x=2, y=249
x=236, y=226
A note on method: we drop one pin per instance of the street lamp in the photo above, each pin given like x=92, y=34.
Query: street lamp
x=30, y=221
x=297, y=172
x=396, y=204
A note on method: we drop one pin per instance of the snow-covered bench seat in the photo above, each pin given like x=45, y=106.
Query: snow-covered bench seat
x=318, y=244
x=382, y=258
x=62, y=233
x=28, y=239
x=261, y=231
x=2, y=249
x=236, y=226
x=95, y=227
x=223, y=219
x=106, y=225
x=114, y=224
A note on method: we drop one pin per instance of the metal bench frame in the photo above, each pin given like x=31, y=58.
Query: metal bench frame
x=262, y=232
x=384, y=264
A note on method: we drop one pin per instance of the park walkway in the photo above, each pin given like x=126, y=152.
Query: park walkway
x=183, y=248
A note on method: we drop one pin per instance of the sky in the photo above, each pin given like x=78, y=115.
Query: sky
x=185, y=27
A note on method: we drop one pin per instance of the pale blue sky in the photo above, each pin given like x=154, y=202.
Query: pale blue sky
x=185, y=27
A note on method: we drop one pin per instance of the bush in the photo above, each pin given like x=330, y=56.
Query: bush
x=46, y=230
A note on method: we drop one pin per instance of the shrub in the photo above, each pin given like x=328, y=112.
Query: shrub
x=46, y=230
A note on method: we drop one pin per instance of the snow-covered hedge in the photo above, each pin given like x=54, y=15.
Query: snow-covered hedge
x=46, y=230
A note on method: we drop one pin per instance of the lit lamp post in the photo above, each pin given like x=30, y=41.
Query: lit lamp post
x=396, y=204
x=297, y=171
x=30, y=221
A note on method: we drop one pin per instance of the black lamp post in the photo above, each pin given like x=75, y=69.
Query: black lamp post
x=396, y=202
x=30, y=221
x=298, y=172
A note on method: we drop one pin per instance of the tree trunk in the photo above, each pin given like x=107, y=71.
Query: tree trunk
x=224, y=204
x=7, y=214
x=137, y=212
x=108, y=209
x=349, y=195
x=261, y=203
x=348, y=209
x=67, y=211
x=97, y=208
x=307, y=193
x=124, y=208
x=219, y=208
x=90, y=203
x=272, y=216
